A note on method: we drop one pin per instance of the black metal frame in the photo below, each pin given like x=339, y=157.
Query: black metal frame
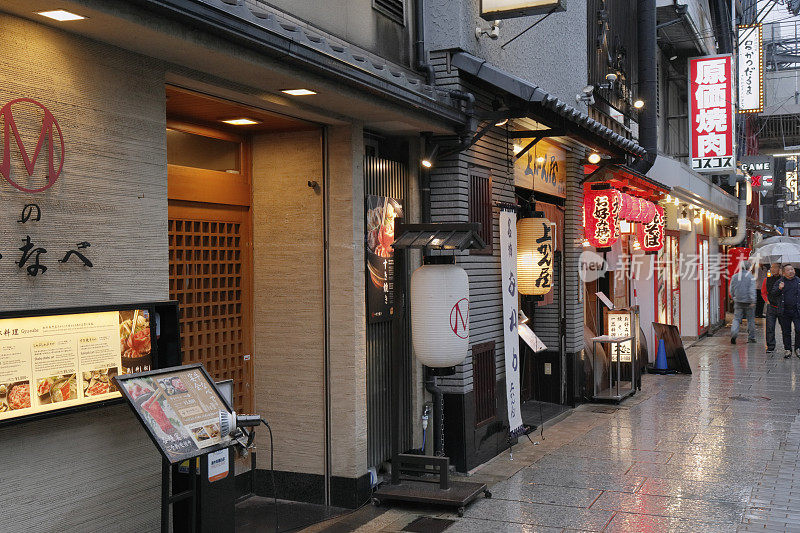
x=55, y=311
x=130, y=401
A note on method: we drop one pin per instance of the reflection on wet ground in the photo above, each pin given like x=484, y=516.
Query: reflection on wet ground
x=714, y=451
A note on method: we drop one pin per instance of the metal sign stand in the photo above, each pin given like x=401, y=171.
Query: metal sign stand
x=444, y=491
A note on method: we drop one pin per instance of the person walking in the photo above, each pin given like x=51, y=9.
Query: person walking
x=743, y=292
x=787, y=288
x=760, y=277
x=771, y=304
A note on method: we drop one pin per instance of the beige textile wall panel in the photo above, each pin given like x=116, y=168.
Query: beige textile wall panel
x=288, y=299
x=348, y=306
x=102, y=470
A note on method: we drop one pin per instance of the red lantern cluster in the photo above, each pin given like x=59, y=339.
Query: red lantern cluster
x=601, y=214
x=603, y=209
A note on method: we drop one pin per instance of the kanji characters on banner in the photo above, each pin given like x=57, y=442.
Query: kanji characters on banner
x=601, y=212
x=711, y=125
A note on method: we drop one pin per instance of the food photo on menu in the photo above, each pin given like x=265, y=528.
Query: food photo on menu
x=99, y=382
x=135, y=345
x=55, y=389
x=15, y=396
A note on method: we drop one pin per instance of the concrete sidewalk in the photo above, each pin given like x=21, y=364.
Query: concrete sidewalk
x=714, y=451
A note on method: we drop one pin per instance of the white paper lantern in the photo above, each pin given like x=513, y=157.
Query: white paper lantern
x=440, y=315
x=534, y=256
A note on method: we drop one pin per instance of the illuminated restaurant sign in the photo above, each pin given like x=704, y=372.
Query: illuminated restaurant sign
x=650, y=234
x=750, y=80
x=619, y=324
x=711, y=114
x=601, y=217
x=543, y=169
x=503, y=9
x=54, y=362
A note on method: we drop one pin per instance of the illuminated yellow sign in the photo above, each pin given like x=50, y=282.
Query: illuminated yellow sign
x=543, y=168
x=502, y=9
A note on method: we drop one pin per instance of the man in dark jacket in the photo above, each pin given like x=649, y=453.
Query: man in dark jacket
x=771, y=302
x=787, y=288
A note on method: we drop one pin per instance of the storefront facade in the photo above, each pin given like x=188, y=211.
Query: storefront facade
x=256, y=229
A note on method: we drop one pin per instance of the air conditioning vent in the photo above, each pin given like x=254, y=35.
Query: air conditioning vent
x=394, y=9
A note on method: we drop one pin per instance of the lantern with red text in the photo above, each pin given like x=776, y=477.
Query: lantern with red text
x=601, y=213
x=534, y=256
x=650, y=234
x=440, y=315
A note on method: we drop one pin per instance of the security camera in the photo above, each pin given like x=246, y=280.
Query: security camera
x=589, y=89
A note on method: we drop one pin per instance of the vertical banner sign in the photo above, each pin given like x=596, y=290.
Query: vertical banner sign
x=711, y=114
x=750, y=80
x=508, y=268
x=381, y=213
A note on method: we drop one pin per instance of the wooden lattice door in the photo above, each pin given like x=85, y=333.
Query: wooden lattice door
x=209, y=265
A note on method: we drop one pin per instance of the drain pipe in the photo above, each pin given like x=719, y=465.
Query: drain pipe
x=419, y=44
x=648, y=83
x=741, y=226
x=438, y=411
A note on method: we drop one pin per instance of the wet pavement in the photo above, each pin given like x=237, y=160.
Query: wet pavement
x=714, y=451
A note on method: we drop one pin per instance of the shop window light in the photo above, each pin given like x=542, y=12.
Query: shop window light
x=298, y=92
x=61, y=15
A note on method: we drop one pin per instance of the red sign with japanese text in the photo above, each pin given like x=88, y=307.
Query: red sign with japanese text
x=711, y=125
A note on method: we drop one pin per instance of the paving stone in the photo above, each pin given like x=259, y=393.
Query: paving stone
x=715, y=451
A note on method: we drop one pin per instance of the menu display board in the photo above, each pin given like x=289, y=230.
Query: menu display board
x=60, y=361
x=179, y=407
x=620, y=325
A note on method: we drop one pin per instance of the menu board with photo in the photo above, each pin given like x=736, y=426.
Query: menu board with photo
x=54, y=362
x=381, y=214
x=180, y=409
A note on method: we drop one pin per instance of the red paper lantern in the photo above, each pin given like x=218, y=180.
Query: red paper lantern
x=637, y=207
x=628, y=204
x=601, y=216
x=650, y=234
x=649, y=211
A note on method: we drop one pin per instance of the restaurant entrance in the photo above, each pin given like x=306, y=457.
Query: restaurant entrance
x=210, y=263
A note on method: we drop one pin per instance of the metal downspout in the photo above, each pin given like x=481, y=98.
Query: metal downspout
x=741, y=226
x=648, y=83
x=419, y=43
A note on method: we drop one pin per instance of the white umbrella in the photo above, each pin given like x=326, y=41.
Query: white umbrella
x=783, y=252
x=778, y=239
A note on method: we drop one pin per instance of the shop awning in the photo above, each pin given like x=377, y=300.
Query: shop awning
x=441, y=236
x=629, y=181
x=546, y=108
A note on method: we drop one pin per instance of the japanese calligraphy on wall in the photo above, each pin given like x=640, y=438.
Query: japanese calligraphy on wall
x=711, y=114
x=381, y=214
x=543, y=168
x=750, y=80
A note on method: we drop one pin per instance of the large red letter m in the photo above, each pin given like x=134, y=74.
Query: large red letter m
x=49, y=124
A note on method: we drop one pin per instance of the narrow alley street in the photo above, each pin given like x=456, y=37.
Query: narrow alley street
x=714, y=451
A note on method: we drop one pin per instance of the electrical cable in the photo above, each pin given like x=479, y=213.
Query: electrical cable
x=272, y=473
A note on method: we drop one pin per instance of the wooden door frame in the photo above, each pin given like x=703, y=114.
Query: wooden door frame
x=221, y=191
